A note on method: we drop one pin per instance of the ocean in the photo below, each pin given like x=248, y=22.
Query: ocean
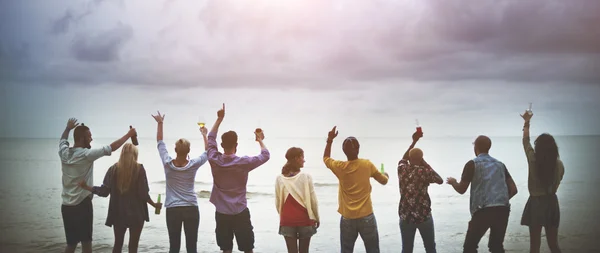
x=30, y=189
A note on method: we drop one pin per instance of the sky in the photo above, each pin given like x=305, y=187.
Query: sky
x=296, y=68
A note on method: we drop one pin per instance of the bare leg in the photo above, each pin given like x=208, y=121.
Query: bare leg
x=227, y=251
x=86, y=247
x=70, y=248
x=535, y=237
x=134, y=238
x=119, y=238
x=304, y=245
x=292, y=244
x=552, y=238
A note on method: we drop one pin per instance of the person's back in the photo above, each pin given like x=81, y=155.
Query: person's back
x=77, y=164
x=181, y=202
x=491, y=189
x=230, y=179
x=414, y=177
x=230, y=176
x=180, y=179
x=488, y=185
x=354, y=195
x=354, y=186
x=545, y=173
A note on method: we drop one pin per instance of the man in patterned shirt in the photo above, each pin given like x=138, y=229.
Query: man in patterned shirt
x=414, y=176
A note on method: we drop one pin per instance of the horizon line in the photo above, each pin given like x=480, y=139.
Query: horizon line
x=323, y=137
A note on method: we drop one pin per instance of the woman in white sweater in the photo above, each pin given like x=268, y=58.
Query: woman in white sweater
x=296, y=203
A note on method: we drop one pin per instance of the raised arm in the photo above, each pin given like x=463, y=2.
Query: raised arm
x=330, y=136
x=159, y=125
x=63, y=145
x=118, y=143
x=204, y=133
x=435, y=177
x=220, y=117
x=71, y=123
x=415, y=137
x=529, y=151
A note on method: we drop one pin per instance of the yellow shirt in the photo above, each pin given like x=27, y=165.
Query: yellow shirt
x=354, y=195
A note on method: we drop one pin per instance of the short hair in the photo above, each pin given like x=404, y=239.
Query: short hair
x=182, y=146
x=80, y=132
x=415, y=154
x=483, y=143
x=351, y=146
x=229, y=139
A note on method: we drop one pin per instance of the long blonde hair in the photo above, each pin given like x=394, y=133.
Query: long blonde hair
x=127, y=167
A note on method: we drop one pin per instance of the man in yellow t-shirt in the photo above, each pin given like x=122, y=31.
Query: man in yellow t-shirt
x=354, y=195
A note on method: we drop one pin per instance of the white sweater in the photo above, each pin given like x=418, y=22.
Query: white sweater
x=302, y=190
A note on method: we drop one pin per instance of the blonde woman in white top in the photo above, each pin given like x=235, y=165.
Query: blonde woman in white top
x=296, y=203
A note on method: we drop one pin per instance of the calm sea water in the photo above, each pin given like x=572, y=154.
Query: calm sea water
x=30, y=188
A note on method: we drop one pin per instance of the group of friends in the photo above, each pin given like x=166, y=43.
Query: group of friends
x=491, y=184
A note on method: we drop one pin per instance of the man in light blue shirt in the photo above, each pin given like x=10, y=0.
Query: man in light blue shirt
x=181, y=201
x=77, y=164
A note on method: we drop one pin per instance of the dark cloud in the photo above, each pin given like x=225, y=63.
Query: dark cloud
x=103, y=47
x=340, y=44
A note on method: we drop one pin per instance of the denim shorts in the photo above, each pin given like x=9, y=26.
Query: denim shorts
x=297, y=232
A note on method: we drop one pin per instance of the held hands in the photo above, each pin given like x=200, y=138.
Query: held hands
x=221, y=113
x=72, y=123
x=332, y=134
x=84, y=185
x=451, y=181
x=527, y=116
x=158, y=205
x=159, y=118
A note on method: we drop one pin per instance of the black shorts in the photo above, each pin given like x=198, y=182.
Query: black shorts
x=238, y=225
x=78, y=221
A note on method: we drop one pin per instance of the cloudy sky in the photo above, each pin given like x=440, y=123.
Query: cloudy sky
x=298, y=67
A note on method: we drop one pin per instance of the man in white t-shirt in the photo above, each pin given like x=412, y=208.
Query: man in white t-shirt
x=77, y=164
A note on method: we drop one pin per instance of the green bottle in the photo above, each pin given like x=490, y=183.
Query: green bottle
x=382, y=171
x=157, y=210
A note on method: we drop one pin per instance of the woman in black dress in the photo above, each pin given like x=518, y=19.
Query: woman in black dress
x=127, y=184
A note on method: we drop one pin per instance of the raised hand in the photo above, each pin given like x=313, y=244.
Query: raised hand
x=527, y=115
x=159, y=118
x=221, y=112
x=72, y=123
x=416, y=136
x=132, y=132
x=332, y=134
x=204, y=131
x=259, y=134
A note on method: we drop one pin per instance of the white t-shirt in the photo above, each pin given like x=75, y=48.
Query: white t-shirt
x=77, y=165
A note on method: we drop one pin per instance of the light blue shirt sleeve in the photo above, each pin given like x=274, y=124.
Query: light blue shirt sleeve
x=95, y=153
x=203, y=158
x=162, y=151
